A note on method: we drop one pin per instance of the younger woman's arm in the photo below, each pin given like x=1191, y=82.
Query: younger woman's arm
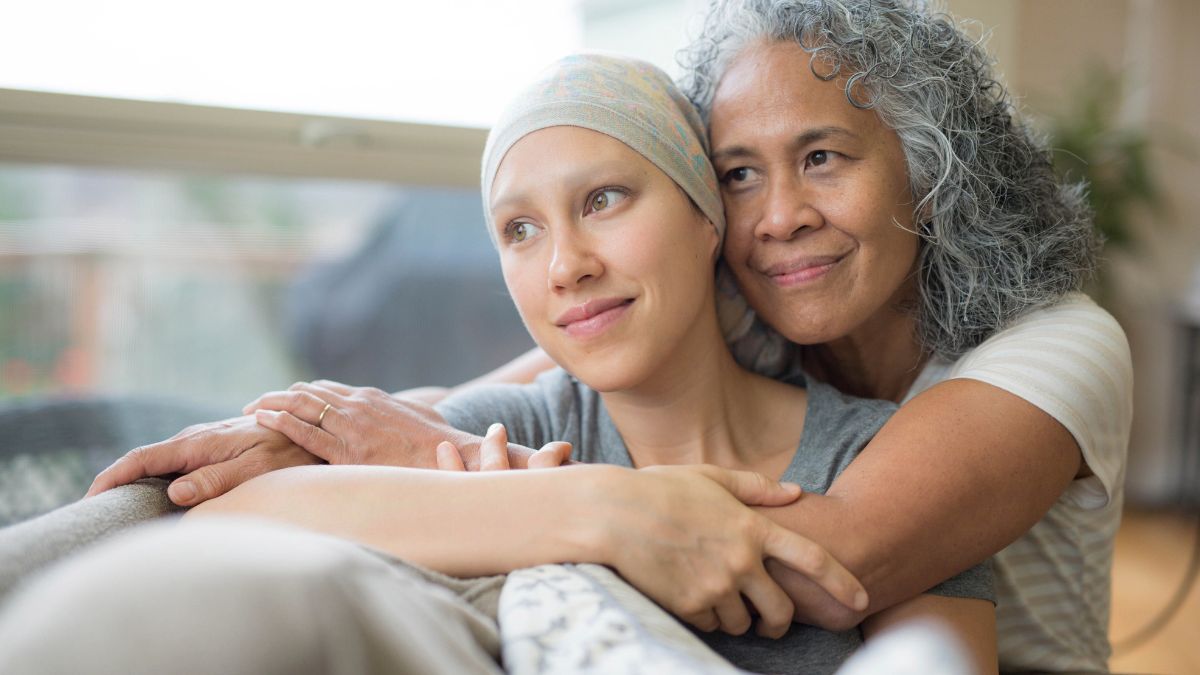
x=471, y=524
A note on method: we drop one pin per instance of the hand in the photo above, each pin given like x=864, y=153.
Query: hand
x=493, y=453
x=685, y=537
x=356, y=425
x=215, y=458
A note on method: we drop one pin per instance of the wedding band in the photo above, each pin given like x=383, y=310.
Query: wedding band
x=321, y=418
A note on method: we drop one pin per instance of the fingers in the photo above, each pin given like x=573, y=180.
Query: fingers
x=337, y=398
x=211, y=481
x=808, y=558
x=338, y=387
x=705, y=620
x=775, y=608
x=551, y=455
x=303, y=404
x=216, y=479
x=732, y=614
x=493, y=451
x=148, y=460
x=448, y=457
x=313, y=439
x=752, y=488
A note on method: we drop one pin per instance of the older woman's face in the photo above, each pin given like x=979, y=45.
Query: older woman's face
x=820, y=215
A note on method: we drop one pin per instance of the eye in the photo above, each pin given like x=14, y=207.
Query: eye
x=740, y=174
x=519, y=231
x=819, y=158
x=603, y=199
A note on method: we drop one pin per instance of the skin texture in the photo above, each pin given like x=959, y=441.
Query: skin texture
x=662, y=370
x=819, y=211
x=956, y=475
x=611, y=232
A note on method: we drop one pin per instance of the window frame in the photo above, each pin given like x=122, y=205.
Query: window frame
x=54, y=128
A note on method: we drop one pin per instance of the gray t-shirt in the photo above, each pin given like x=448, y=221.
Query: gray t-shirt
x=557, y=407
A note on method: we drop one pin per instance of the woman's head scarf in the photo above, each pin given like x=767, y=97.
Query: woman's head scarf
x=629, y=100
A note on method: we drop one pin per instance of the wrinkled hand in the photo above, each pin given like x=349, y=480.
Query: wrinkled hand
x=356, y=425
x=684, y=536
x=214, y=457
x=493, y=453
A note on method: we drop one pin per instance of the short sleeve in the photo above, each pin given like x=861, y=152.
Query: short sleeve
x=976, y=583
x=1071, y=360
x=532, y=413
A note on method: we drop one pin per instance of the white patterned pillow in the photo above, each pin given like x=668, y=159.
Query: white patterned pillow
x=586, y=619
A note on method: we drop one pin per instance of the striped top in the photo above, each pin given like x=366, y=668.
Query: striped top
x=1053, y=585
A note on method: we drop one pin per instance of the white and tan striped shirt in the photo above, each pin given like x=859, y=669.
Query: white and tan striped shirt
x=1053, y=584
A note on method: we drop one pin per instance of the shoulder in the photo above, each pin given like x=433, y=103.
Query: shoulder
x=534, y=413
x=832, y=413
x=836, y=428
x=1075, y=329
x=1072, y=361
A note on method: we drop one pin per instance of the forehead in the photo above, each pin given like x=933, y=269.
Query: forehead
x=562, y=156
x=771, y=87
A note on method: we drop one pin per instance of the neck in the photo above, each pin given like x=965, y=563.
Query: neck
x=701, y=407
x=880, y=359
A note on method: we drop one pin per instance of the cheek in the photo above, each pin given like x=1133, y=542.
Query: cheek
x=739, y=237
x=526, y=284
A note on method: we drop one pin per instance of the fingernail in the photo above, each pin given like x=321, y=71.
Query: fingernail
x=860, y=600
x=495, y=429
x=181, y=492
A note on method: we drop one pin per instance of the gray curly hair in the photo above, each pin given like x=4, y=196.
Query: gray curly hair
x=1000, y=233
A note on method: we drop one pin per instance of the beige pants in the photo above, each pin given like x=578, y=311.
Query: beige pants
x=226, y=596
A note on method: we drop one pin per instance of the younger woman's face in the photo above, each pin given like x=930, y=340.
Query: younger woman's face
x=607, y=260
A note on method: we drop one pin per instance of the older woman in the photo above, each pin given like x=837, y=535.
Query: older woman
x=888, y=214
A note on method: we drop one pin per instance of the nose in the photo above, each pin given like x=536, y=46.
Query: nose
x=788, y=209
x=574, y=260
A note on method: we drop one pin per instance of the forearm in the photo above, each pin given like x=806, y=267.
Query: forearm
x=926, y=501
x=457, y=523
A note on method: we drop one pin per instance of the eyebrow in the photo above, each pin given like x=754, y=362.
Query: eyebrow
x=806, y=138
x=589, y=176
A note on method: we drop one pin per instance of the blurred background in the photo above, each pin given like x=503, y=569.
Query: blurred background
x=200, y=202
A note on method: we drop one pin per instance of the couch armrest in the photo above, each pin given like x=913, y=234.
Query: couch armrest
x=30, y=546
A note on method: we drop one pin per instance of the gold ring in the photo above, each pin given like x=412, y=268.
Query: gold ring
x=321, y=418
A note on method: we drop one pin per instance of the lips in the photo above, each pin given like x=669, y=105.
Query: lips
x=801, y=269
x=592, y=317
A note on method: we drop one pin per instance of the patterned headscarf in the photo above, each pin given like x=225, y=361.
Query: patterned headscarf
x=629, y=100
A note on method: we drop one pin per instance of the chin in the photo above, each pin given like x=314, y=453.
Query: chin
x=608, y=370
x=806, y=323
x=605, y=380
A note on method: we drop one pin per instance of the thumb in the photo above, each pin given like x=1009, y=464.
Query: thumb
x=753, y=488
x=206, y=483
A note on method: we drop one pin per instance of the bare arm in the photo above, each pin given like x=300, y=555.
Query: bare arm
x=468, y=524
x=957, y=474
x=409, y=513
